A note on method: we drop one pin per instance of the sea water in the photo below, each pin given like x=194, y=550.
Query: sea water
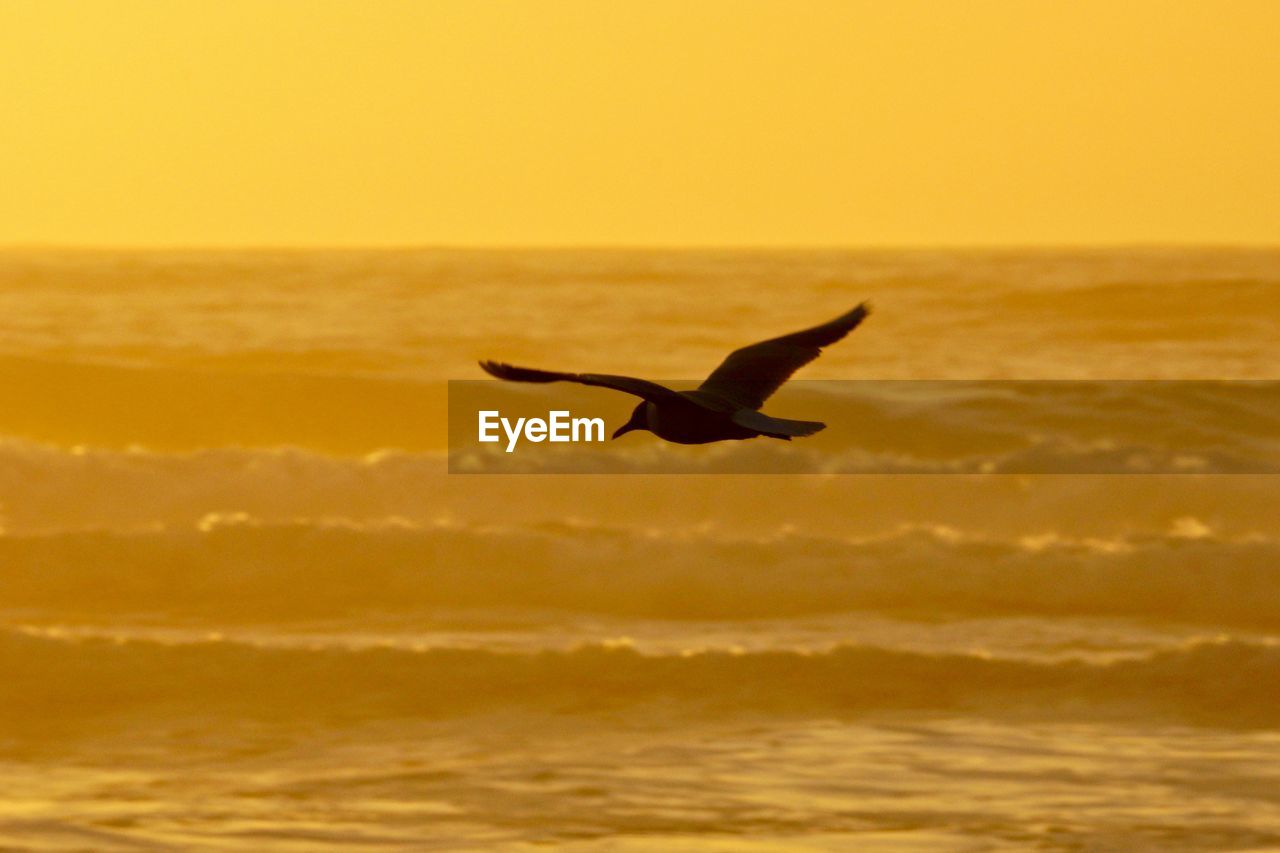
x=244, y=605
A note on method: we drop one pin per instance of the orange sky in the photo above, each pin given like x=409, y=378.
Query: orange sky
x=579, y=122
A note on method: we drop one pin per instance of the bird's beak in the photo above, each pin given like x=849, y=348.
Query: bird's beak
x=624, y=429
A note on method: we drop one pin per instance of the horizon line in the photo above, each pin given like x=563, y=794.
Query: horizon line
x=1119, y=245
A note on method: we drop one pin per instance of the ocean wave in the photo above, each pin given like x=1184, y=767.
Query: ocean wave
x=1053, y=456
x=924, y=427
x=1226, y=683
x=231, y=567
x=873, y=426
x=165, y=407
x=1133, y=312
x=48, y=489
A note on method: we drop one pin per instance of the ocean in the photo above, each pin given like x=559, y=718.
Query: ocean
x=245, y=605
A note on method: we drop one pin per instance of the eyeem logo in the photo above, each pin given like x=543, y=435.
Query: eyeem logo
x=559, y=427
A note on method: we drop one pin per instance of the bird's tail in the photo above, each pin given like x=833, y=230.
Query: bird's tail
x=520, y=374
x=776, y=427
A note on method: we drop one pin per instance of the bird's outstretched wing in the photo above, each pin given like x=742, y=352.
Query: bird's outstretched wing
x=651, y=391
x=751, y=374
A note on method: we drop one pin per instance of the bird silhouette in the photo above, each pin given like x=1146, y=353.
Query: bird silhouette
x=726, y=406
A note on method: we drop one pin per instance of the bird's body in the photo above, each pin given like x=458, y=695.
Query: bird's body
x=701, y=420
x=726, y=407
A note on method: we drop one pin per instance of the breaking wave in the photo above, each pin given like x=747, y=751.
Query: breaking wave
x=234, y=568
x=1225, y=683
x=925, y=427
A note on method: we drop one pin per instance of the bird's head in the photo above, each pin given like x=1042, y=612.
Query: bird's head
x=638, y=420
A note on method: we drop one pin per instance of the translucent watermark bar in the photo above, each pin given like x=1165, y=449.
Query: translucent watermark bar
x=1193, y=427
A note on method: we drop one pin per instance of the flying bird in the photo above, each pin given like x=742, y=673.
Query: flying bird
x=727, y=405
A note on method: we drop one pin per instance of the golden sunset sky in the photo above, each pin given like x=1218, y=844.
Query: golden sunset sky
x=716, y=122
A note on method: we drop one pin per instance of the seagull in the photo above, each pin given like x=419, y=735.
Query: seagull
x=726, y=407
